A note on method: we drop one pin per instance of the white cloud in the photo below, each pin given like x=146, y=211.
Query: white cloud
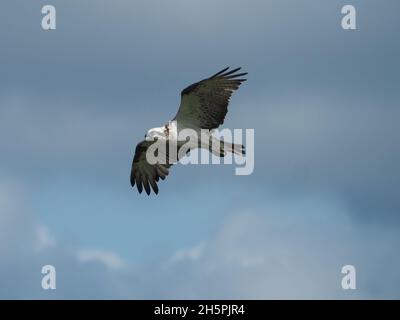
x=26, y=245
x=291, y=249
x=44, y=239
x=108, y=258
x=294, y=247
x=190, y=254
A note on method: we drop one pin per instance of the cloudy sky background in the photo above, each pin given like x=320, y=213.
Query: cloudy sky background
x=324, y=104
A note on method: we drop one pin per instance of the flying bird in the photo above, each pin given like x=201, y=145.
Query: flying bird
x=204, y=105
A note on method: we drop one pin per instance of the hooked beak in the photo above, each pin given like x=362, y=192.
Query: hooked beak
x=147, y=138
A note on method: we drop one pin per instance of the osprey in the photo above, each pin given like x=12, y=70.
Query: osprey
x=204, y=105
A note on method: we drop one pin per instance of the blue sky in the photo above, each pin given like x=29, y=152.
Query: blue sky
x=324, y=103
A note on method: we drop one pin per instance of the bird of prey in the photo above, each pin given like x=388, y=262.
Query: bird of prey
x=204, y=105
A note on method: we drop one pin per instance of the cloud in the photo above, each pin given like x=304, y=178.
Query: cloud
x=346, y=147
x=43, y=237
x=190, y=254
x=26, y=246
x=283, y=47
x=292, y=247
x=292, y=250
x=319, y=142
x=109, y=259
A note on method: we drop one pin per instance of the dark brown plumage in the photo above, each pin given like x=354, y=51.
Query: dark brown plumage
x=144, y=174
x=205, y=103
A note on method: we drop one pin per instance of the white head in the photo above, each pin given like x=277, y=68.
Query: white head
x=159, y=133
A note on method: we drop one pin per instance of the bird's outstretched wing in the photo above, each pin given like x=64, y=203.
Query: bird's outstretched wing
x=204, y=104
x=144, y=174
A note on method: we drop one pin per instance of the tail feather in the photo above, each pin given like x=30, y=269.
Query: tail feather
x=234, y=148
x=221, y=148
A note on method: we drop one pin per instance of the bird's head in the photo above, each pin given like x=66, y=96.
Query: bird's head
x=155, y=133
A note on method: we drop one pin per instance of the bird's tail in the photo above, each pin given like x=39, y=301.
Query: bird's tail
x=222, y=148
x=235, y=149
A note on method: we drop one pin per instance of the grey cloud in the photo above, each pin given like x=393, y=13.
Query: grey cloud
x=348, y=147
x=304, y=142
x=115, y=52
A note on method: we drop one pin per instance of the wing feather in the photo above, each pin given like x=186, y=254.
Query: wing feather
x=145, y=175
x=204, y=104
